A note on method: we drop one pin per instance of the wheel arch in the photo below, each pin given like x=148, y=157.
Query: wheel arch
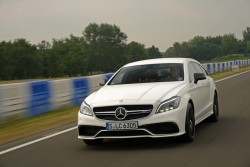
x=216, y=92
x=192, y=103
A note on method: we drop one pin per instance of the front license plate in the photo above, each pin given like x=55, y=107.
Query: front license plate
x=121, y=125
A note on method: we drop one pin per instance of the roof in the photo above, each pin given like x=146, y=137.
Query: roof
x=160, y=61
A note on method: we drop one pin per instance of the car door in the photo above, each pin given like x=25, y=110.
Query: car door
x=198, y=92
x=208, y=85
x=204, y=91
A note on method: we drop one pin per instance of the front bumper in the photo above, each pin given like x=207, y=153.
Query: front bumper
x=150, y=130
x=167, y=124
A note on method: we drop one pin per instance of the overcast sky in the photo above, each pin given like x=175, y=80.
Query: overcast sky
x=151, y=22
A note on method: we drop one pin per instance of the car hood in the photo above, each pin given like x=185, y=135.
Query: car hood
x=134, y=93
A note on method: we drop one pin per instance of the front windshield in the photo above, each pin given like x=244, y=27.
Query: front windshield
x=167, y=72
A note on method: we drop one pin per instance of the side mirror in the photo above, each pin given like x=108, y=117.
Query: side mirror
x=199, y=76
x=103, y=82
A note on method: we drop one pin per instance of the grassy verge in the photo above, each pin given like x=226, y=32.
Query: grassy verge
x=228, y=73
x=30, y=126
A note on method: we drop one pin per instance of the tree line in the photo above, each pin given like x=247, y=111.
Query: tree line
x=102, y=48
x=207, y=48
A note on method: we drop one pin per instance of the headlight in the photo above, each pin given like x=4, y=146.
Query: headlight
x=85, y=109
x=169, y=104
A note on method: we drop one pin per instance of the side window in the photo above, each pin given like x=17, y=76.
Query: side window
x=204, y=71
x=200, y=68
x=191, y=70
x=197, y=68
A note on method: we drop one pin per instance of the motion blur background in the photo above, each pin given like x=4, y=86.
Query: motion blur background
x=44, y=66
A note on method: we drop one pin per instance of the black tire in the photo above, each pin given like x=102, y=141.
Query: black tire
x=93, y=142
x=189, y=124
x=215, y=116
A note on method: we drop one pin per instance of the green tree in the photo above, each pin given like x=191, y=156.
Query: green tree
x=174, y=51
x=105, y=46
x=178, y=50
x=43, y=50
x=20, y=59
x=246, y=34
x=136, y=51
x=246, y=39
x=248, y=46
x=75, y=58
x=153, y=52
x=229, y=44
x=5, y=68
x=67, y=57
x=56, y=66
x=197, y=47
x=201, y=48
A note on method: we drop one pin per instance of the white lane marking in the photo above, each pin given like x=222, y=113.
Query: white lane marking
x=37, y=140
x=235, y=75
x=73, y=128
x=51, y=133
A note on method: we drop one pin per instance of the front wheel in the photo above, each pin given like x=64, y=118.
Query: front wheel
x=93, y=142
x=215, y=116
x=189, y=124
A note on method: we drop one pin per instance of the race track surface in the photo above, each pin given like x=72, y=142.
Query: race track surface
x=222, y=144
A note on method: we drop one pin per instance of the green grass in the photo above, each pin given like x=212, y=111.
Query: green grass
x=29, y=126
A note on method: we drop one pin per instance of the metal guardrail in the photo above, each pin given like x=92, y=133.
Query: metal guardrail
x=21, y=100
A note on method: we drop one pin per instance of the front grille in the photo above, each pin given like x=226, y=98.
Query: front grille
x=123, y=133
x=133, y=111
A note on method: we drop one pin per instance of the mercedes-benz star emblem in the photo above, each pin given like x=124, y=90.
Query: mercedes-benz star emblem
x=120, y=113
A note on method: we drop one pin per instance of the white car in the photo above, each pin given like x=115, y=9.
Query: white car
x=151, y=98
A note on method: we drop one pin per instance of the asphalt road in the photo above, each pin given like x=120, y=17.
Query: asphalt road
x=222, y=144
